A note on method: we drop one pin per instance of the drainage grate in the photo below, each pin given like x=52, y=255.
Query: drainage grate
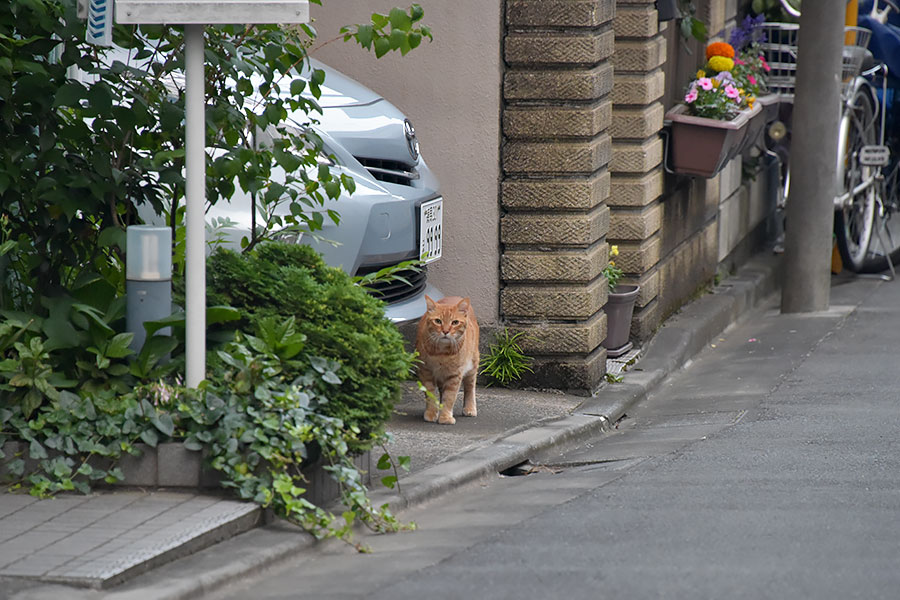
x=528, y=468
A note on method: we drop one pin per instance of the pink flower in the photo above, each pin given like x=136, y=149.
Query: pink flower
x=738, y=61
x=690, y=96
x=765, y=65
x=751, y=79
x=732, y=92
x=705, y=83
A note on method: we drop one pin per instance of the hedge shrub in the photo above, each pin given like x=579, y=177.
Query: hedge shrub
x=339, y=319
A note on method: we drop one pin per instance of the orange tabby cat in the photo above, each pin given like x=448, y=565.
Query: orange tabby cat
x=447, y=342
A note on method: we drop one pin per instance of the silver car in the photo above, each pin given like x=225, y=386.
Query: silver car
x=395, y=213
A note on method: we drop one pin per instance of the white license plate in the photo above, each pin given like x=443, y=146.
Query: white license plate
x=431, y=220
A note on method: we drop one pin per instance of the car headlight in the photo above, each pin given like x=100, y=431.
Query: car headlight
x=412, y=142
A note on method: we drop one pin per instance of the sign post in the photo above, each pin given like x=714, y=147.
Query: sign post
x=194, y=15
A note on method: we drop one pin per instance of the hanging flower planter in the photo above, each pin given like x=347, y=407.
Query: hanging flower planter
x=718, y=118
x=702, y=146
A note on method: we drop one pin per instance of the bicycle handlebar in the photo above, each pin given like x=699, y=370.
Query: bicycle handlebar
x=789, y=8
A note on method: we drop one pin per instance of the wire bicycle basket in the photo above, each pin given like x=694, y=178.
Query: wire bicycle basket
x=779, y=47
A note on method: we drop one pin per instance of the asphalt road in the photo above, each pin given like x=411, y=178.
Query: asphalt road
x=768, y=468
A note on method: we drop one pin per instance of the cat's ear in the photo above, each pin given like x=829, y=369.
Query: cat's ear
x=429, y=303
x=464, y=305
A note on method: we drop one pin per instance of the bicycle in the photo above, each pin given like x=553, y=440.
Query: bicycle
x=866, y=202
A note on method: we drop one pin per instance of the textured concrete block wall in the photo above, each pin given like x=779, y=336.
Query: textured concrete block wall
x=556, y=150
x=637, y=176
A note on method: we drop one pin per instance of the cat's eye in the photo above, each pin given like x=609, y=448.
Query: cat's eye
x=437, y=321
x=455, y=322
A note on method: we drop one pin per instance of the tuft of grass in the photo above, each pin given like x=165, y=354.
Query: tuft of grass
x=505, y=361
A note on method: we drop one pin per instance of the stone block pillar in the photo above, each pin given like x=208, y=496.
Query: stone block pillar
x=637, y=154
x=555, y=184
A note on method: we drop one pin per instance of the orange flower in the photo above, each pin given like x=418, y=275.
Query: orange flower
x=719, y=49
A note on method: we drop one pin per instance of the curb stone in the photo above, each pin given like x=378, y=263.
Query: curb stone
x=676, y=342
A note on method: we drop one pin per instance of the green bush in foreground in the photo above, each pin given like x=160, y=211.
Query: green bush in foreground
x=338, y=320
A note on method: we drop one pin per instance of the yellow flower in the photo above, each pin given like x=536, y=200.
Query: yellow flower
x=716, y=83
x=613, y=251
x=701, y=73
x=720, y=63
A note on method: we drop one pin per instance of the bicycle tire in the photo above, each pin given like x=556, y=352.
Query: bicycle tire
x=888, y=226
x=854, y=222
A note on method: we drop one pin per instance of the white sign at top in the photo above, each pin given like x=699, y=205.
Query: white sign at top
x=211, y=12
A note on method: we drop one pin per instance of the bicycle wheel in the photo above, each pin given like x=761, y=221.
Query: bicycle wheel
x=854, y=219
x=886, y=238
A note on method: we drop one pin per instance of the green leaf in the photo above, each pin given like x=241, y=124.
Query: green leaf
x=69, y=94
x=399, y=19
x=118, y=346
x=389, y=481
x=36, y=450
x=165, y=424
x=149, y=437
x=384, y=462
x=382, y=47
x=365, y=35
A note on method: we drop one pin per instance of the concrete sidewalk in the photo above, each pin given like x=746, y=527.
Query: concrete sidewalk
x=512, y=426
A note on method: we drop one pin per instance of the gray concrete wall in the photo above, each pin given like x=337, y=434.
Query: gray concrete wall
x=450, y=90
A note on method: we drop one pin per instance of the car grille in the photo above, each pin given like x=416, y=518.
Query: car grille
x=389, y=171
x=394, y=290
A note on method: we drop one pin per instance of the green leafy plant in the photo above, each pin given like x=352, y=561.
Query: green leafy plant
x=612, y=273
x=505, y=361
x=259, y=422
x=337, y=318
x=394, y=31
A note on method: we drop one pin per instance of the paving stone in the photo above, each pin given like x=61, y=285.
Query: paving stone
x=578, y=84
x=640, y=56
x=627, y=190
x=556, y=121
x=559, y=13
x=552, y=193
x=636, y=158
x=636, y=21
x=560, y=229
x=554, y=266
x=551, y=157
x=572, y=301
x=638, y=88
x=551, y=48
x=635, y=224
x=637, y=123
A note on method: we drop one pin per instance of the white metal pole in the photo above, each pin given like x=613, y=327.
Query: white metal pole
x=195, y=207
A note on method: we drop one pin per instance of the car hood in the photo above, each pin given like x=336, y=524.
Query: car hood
x=341, y=91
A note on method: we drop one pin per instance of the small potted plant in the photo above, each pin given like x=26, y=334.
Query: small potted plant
x=619, y=308
x=709, y=127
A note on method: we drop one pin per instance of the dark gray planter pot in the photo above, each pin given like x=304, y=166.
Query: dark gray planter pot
x=619, y=309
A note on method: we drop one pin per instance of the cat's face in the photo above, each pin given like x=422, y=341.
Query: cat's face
x=446, y=323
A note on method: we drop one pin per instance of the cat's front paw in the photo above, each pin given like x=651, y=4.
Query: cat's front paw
x=431, y=416
x=470, y=412
x=446, y=420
